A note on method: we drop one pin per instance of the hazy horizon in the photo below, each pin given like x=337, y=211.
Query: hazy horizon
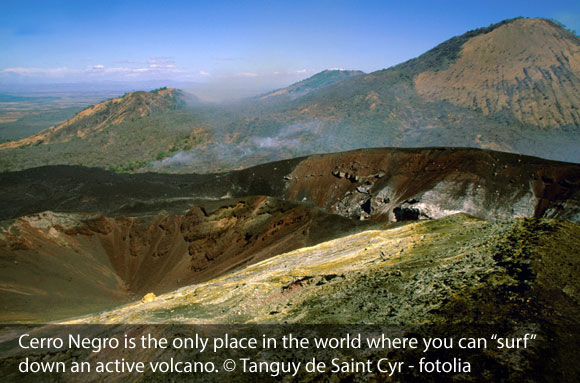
x=229, y=50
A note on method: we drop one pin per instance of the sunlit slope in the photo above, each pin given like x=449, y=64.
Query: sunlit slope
x=512, y=86
x=122, y=133
x=529, y=68
x=58, y=265
x=452, y=277
x=453, y=269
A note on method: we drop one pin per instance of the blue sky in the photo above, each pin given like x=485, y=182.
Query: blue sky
x=265, y=42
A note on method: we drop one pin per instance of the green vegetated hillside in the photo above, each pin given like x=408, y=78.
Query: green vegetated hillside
x=25, y=113
x=500, y=87
x=122, y=133
x=513, y=86
x=318, y=81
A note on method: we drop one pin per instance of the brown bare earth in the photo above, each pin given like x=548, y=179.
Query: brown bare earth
x=430, y=183
x=530, y=67
x=56, y=265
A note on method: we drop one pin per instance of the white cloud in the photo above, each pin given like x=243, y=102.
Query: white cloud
x=292, y=73
x=159, y=65
x=239, y=75
x=161, y=62
x=37, y=71
x=154, y=68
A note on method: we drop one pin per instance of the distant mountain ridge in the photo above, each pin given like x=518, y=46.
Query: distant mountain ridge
x=532, y=60
x=513, y=86
x=122, y=133
x=318, y=81
x=111, y=112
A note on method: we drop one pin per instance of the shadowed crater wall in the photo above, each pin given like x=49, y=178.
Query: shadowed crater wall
x=57, y=265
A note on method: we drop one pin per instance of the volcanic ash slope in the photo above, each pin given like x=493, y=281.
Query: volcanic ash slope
x=455, y=269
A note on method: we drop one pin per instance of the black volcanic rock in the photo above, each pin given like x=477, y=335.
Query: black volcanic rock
x=428, y=182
